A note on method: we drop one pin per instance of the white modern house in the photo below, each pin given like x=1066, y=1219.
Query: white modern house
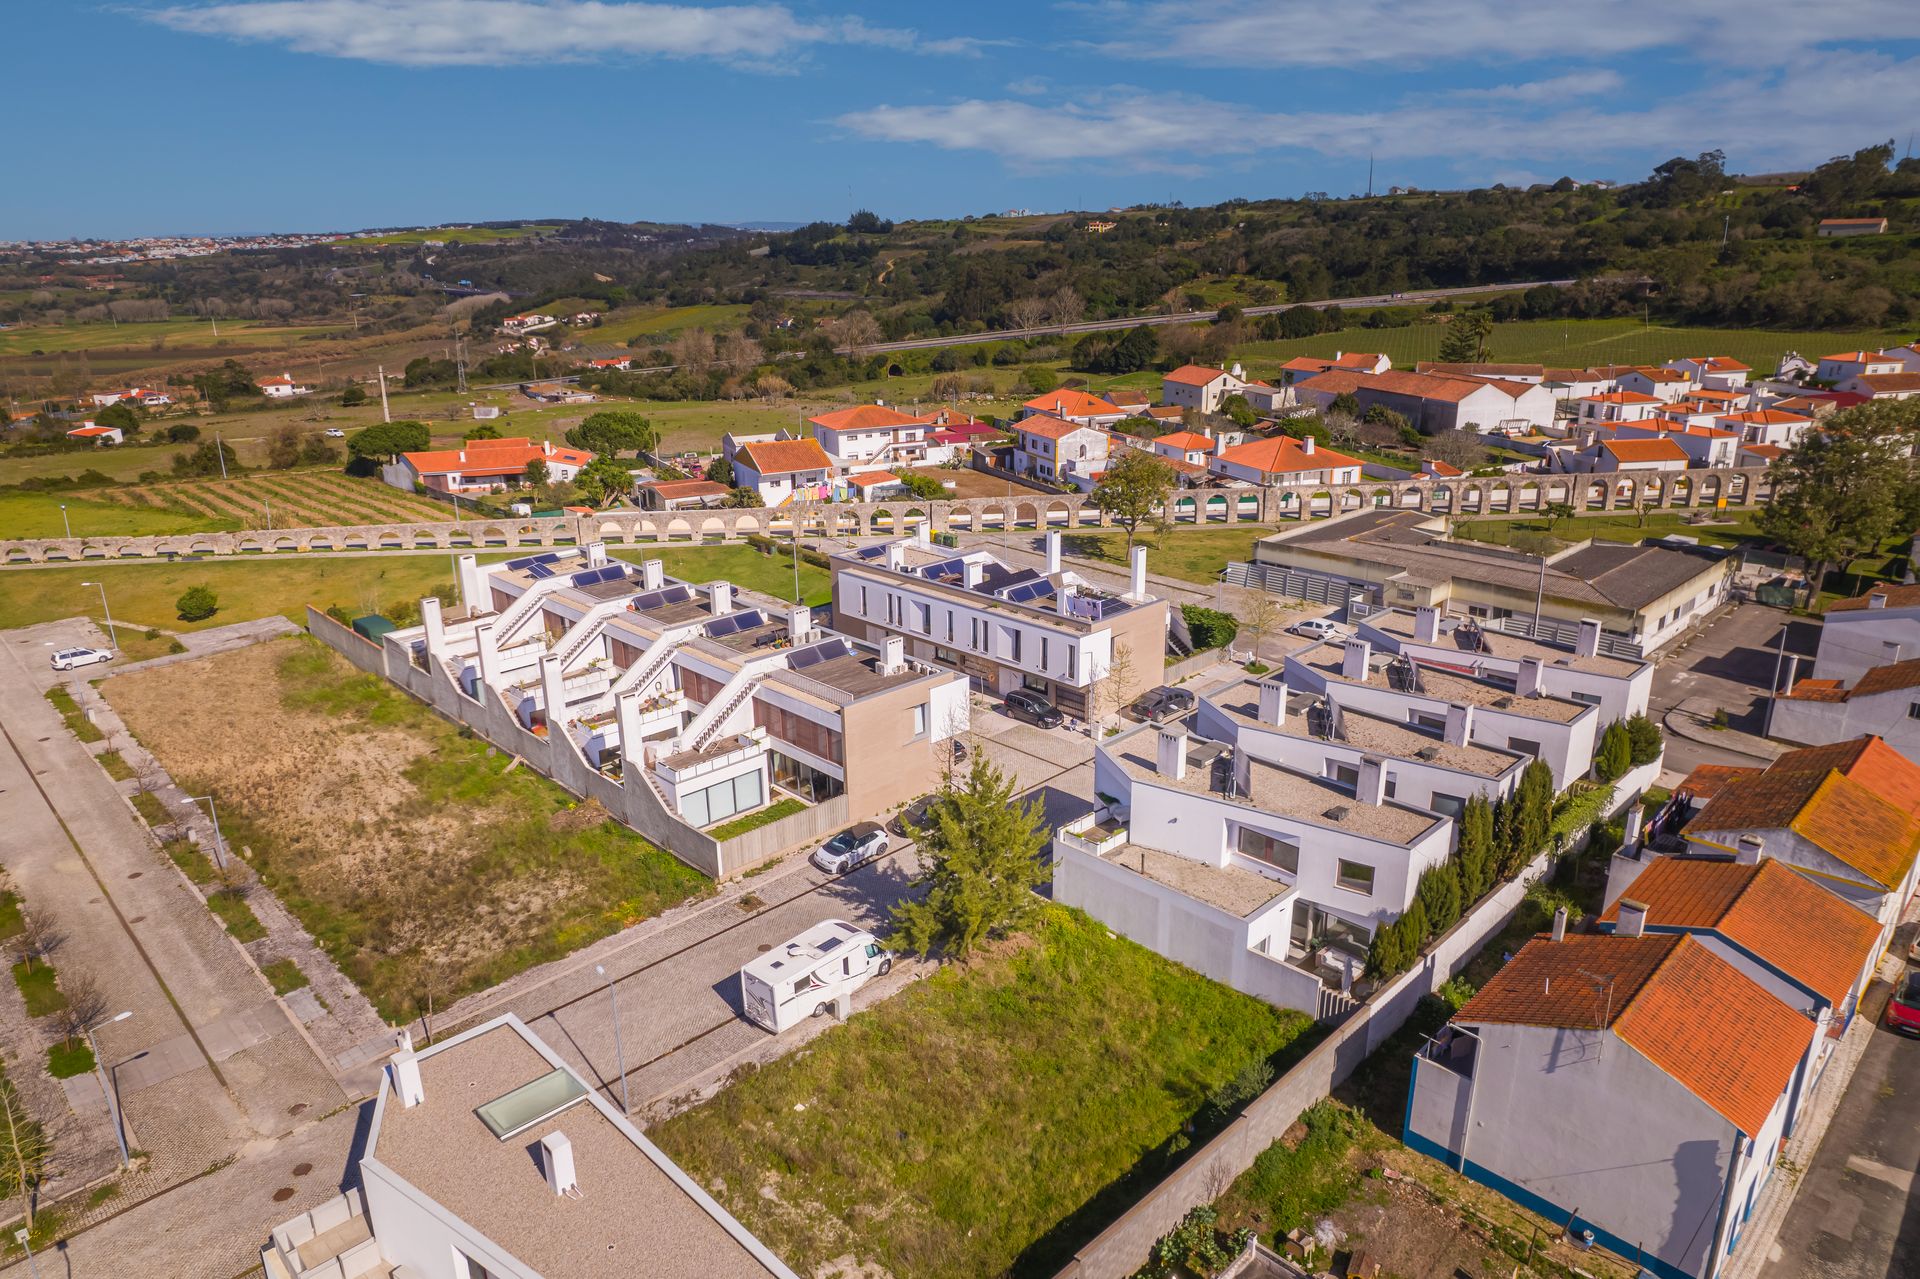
x=1715, y=372
x=1877, y=628
x=1618, y=406
x=1767, y=426
x=1664, y=384
x=1844, y=365
x=1196, y=386
x=488, y=1157
x=1281, y=459
x=1636, y=1087
x=1618, y=686
x=1455, y=707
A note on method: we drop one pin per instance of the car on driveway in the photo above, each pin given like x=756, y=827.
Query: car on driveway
x=69, y=658
x=1314, y=628
x=1034, y=709
x=1903, y=1009
x=912, y=816
x=1162, y=704
x=335, y=433
x=854, y=846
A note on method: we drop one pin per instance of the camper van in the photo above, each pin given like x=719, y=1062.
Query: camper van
x=805, y=976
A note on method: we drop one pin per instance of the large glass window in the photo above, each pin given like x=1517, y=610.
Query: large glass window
x=804, y=780
x=1522, y=746
x=1271, y=849
x=699, y=688
x=1357, y=876
x=798, y=731
x=718, y=802
x=1447, y=805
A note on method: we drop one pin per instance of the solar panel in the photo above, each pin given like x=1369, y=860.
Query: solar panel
x=525, y=561
x=800, y=659
x=539, y=570
x=1026, y=591
x=944, y=567
x=679, y=593
x=733, y=623
x=871, y=552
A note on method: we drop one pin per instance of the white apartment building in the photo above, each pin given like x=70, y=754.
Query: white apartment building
x=1666, y=385
x=871, y=436
x=1618, y=686
x=1767, y=426
x=490, y=1158
x=1054, y=633
x=1456, y=708
x=1060, y=452
x=1618, y=406
x=1845, y=365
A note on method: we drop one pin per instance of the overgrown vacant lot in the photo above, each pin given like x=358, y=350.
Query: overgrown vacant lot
x=988, y=1120
x=406, y=848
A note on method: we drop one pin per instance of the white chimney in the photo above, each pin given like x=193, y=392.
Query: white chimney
x=489, y=657
x=799, y=623
x=1053, y=551
x=1273, y=702
x=971, y=571
x=596, y=554
x=1356, y=655
x=896, y=555
x=1560, y=924
x=1172, y=759
x=1633, y=919
x=1306, y=446
x=1426, y=624
x=473, y=586
x=430, y=621
x=1459, y=725
x=626, y=711
x=1238, y=372
x=406, y=1078
x=1138, y=585
x=653, y=575
x=1526, y=682
x=720, y=598
x=893, y=651
x=1373, y=781
x=1636, y=821
x=556, y=1160
x=553, y=695
x=1748, y=851
x=1588, y=642
x=923, y=533
x=1877, y=599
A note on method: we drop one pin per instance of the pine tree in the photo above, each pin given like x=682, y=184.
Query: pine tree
x=982, y=853
x=1646, y=738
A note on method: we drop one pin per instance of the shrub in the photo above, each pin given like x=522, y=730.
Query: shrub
x=1209, y=627
x=1615, y=755
x=1396, y=946
x=197, y=604
x=1646, y=739
x=1439, y=894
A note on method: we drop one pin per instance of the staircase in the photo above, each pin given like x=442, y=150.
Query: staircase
x=523, y=608
x=738, y=689
x=571, y=645
x=650, y=663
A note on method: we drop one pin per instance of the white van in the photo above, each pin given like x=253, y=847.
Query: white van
x=805, y=976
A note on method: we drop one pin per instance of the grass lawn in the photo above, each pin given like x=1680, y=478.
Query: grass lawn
x=754, y=821
x=402, y=844
x=285, y=976
x=988, y=1120
x=40, y=988
x=115, y=765
x=661, y=322
x=11, y=924
x=196, y=864
x=234, y=912
x=740, y=564
x=138, y=335
x=76, y=720
x=151, y=810
x=38, y=515
x=65, y=1060
x=1193, y=554
x=1731, y=528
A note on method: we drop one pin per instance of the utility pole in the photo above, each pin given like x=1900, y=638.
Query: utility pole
x=385, y=414
x=460, y=362
x=220, y=451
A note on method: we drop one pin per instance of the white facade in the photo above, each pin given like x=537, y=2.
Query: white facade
x=1070, y=458
x=1197, y=387
x=1714, y=373
x=1892, y=714
x=1850, y=364
x=1654, y=383
x=1854, y=640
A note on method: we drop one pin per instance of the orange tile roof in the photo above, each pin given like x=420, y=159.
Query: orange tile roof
x=1194, y=375
x=1437, y=467
x=1767, y=417
x=1307, y=364
x=1187, y=441
x=93, y=430
x=1818, y=690
x=669, y=490
x=783, y=457
x=1660, y=450
x=865, y=417
x=1048, y=428
x=1890, y=383
x=1546, y=983
x=1775, y=913
x=1357, y=360
x=1166, y=413
x=1722, y=1035
x=492, y=457
x=1707, y=780
x=1722, y=363
x=1443, y=387
x=1866, y=832
x=1859, y=357
x=1660, y=375
x=1896, y=596
x=866, y=479
x=1072, y=404
x=1282, y=454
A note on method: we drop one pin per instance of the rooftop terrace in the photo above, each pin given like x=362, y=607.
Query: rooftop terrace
x=1445, y=686
x=1238, y=892
x=1371, y=733
x=1471, y=641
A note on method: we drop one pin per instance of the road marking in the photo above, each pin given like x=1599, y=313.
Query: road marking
x=1900, y=1179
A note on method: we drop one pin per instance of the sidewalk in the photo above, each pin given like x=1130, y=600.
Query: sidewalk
x=1776, y=1199
x=1693, y=719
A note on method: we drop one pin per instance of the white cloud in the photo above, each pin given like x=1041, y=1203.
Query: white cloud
x=1030, y=87
x=501, y=32
x=1794, y=115
x=1264, y=33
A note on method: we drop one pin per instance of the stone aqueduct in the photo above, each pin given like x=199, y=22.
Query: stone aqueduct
x=1502, y=495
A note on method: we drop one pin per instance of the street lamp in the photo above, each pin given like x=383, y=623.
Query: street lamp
x=619, y=1053
x=64, y=520
x=219, y=840
x=113, y=1104
x=20, y=1237
x=113, y=636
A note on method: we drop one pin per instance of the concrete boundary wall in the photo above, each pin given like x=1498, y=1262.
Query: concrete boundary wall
x=638, y=806
x=1502, y=495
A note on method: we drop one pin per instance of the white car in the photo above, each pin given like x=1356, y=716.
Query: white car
x=1314, y=628
x=68, y=658
x=335, y=433
x=855, y=846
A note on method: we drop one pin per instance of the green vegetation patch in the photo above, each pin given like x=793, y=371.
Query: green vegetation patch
x=754, y=821
x=115, y=765
x=39, y=515
x=76, y=719
x=12, y=924
x=1191, y=554
x=285, y=976
x=40, y=988
x=988, y=1120
x=151, y=810
x=231, y=906
x=65, y=1060
x=197, y=866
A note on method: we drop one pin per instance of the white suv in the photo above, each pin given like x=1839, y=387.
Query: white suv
x=68, y=658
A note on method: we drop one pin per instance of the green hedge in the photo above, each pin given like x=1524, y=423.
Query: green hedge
x=754, y=821
x=1209, y=627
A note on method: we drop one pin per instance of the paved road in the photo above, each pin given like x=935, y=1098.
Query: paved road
x=1730, y=662
x=1855, y=1215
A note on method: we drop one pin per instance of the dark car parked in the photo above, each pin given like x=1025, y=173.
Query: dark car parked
x=911, y=817
x=1903, y=1010
x=1034, y=709
x=1163, y=703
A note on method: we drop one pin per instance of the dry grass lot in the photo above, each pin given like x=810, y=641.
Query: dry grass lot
x=405, y=847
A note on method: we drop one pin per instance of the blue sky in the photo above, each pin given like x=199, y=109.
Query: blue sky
x=255, y=115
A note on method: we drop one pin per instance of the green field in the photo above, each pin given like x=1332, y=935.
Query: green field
x=988, y=1120
x=1194, y=554
x=624, y=326
x=144, y=594
x=1576, y=343
x=141, y=335
x=1730, y=528
x=38, y=515
x=466, y=235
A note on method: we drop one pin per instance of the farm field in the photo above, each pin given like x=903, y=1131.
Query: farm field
x=140, y=335
x=39, y=515
x=280, y=499
x=988, y=1120
x=623, y=327
x=423, y=866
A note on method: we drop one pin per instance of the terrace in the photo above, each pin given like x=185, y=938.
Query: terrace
x=1471, y=639
x=1424, y=679
x=1309, y=716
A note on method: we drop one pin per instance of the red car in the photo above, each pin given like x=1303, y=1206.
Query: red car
x=1903, y=1010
